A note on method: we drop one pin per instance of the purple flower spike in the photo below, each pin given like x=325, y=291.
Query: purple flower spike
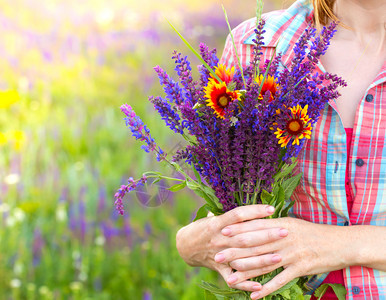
x=141, y=132
x=120, y=194
x=168, y=114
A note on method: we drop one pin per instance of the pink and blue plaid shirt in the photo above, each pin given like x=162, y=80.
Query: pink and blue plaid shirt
x=321, y=195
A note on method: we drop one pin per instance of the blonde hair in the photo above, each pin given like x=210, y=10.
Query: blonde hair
x=323, y=12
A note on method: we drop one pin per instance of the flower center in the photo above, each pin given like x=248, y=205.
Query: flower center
x=223, y=100
x=295, y=126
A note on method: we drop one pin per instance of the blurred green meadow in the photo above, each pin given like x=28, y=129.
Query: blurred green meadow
x=66, y=66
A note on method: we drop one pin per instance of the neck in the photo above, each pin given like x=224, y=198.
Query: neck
x=366, y=21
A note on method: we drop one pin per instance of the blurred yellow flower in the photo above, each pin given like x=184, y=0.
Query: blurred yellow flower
x=7, y=98
x=3, y=139
x=19, y=139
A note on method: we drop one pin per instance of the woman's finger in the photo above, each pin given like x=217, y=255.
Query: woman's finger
x=252, y=225
x=276, y=283
x=257, y=238
x=230, y=254
x=245, y=213
x=257, y=262
x=239, y=277
x=249, y=286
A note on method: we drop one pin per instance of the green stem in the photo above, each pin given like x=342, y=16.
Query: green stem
x=196, y=53
x=266, y=71
x=234, y=47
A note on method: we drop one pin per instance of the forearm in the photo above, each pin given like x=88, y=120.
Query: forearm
x=368, y=244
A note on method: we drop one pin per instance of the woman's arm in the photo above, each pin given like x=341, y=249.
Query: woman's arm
x=308, y=249
x=198, y=242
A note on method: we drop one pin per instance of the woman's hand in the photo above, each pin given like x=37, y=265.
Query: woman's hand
x=199, y=242
x=308, y=249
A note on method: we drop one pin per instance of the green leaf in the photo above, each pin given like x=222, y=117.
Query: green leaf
x=198, y=177
x=231, y=86
x=280, y=197
x=214, y=207
x=290, y=185
x=192, y=185
x=209, y=296
x=285, y=287
x=209, y=191
x=286, y=294
x=285, y=171
x=177, y=187
x=296, y=293
x=217, y=291
x=278, y=209
x=266, y=197
x=284, y=212
x=338, y=289
x=156, y=181
x=202, y=212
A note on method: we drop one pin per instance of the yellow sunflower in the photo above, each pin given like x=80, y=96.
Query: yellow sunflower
x=297, y=127
x=269, y=85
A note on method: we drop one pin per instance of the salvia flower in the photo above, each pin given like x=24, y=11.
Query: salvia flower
x=124, y=189
x=141, y=132
x=240, y=129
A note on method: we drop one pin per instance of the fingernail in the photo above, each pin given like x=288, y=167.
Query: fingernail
x=270, y=209
x=276, y=258
x=256, y=286
x=219, y=257
x=283, y=232
x=255, y=295
x=226, y=231
x=232, y=279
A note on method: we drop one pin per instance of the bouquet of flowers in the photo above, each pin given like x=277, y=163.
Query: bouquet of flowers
x=243, y=127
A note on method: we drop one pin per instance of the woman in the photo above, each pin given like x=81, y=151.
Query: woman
x=338, y=226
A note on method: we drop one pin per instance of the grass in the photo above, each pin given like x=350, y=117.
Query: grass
x=65, y=149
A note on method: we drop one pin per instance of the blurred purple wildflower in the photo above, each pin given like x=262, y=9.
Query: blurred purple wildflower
x=37, y=246
x=132, y=185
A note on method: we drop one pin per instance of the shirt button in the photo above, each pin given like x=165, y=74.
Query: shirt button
x=359, y=162
x=356, y=290
x=369, y=98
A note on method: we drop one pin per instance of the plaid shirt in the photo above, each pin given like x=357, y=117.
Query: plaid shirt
x=321, y=195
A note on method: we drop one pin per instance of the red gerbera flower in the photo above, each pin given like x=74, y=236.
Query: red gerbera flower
x=269, y=85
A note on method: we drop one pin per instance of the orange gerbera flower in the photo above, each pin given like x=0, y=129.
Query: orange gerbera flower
x=226, y=75
x=297, y=127
x=219, y=96
x=269, y=85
